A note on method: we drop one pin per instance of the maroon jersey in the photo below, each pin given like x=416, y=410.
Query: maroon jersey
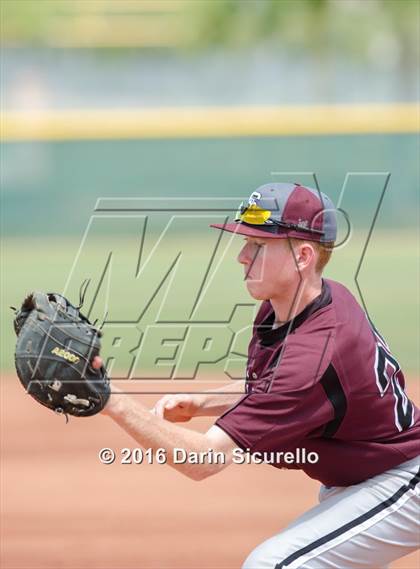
x=328, y=383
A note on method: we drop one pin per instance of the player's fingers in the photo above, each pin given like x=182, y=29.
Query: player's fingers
x=172, y=403
x=97, y=362
x=180, y=419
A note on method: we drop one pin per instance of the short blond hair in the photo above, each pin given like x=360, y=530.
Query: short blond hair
x=324, y=254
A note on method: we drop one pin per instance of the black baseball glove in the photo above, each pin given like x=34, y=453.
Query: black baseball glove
x=55, y=347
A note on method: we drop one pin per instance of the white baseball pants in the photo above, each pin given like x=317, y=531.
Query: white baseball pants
x=367, y=525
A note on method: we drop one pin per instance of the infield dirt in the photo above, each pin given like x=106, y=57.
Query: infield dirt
x=62, y=508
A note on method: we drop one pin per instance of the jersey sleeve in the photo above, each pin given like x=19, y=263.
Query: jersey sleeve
x=287, y=403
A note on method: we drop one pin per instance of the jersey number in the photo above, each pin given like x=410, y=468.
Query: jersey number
x=387, y=371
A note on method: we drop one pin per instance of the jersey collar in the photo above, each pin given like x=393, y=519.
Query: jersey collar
x=265, y=331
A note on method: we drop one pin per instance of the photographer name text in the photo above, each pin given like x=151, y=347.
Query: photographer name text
x=182, y=456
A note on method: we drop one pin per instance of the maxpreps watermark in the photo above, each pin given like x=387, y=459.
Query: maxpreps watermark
x=167, y=289
x=177, y=455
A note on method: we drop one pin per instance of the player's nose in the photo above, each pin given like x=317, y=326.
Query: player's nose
x=243, y=256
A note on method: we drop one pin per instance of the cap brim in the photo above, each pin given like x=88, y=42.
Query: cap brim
x=248, y=230
x=242, y=228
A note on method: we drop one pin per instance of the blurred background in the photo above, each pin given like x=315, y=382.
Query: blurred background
x=180, y=98
x=199, y=99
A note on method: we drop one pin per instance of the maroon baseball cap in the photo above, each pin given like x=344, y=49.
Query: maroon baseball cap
x=282, y=210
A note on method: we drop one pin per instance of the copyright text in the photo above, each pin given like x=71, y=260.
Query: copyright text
x=182, y=456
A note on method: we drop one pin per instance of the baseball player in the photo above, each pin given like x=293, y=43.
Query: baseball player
x=319, y=377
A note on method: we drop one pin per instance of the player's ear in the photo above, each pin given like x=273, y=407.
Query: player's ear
x=304, y=254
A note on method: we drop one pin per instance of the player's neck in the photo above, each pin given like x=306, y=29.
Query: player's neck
x=288, y=306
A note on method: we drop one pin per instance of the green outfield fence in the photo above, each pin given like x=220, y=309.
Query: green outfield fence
x=62, y=161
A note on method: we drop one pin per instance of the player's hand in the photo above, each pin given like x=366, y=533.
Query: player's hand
x=177, y=408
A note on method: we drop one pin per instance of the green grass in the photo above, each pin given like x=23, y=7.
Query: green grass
x=389, y=280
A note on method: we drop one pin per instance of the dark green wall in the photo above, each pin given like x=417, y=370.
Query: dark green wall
x=52, y=187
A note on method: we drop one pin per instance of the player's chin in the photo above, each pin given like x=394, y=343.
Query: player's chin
x=256, y=290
